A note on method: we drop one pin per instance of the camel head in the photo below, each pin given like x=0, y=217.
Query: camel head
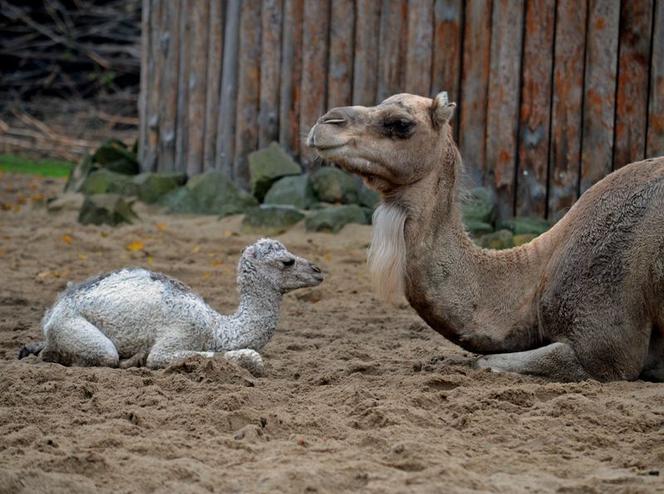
x=392, y=145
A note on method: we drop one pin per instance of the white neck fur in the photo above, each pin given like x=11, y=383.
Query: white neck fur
x=387, y=254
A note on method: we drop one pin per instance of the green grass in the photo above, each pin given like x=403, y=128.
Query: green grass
x=45, y=167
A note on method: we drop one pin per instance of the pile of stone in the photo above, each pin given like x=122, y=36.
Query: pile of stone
x=480, y=218
x=281, y=196
x=326, y=200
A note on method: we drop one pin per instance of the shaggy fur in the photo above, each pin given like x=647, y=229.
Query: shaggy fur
x=135, y=315
x=585, y=299
x=387, y=254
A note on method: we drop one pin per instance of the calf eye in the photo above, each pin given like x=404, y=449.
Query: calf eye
x=289, y=262
x=399, y=127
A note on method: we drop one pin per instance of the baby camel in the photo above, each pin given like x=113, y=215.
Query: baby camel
x=119, y=318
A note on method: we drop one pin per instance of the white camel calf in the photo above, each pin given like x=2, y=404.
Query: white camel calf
x=133, y=315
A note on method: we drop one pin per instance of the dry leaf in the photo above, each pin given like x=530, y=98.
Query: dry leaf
x=216, y=263
x=135, y=246
x=150, y=260
x=67, y=239
x=162, y=227
x=195, y=249
x=82, y=257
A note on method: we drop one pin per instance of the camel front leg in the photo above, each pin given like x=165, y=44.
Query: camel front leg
x=556, y=361
x=247, y=358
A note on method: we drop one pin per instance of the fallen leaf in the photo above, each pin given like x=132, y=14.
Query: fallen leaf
x=227, y=233
x=135, y=246
x=195, y=249
x=67, y=239
x=216, y=263
x=150, y=260
x=82, y=257
x=161, y=227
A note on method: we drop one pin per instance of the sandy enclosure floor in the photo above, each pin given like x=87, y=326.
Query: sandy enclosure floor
x=358, y=395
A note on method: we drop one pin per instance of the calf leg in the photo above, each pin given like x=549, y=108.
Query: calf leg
x=75, y=341
x=247, y=358
x=556, y=361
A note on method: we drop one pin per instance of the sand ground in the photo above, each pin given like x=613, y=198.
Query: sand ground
x=358, y=395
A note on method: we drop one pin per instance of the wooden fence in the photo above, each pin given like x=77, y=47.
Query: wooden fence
x=552, y=95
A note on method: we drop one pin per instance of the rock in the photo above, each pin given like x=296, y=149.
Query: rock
x=292, y=191
x=526, y=224
x=270, y=220
x=209, y=193
x=523, y=225
x=268, y=165
x=113, y=155
x=523, y=238
x=108, y=209
x=151, y=187
x=335, y=218
x=79, y=173
x=479, y=206
x=335, y=186
x=108, y=182
x=69, y=201
x=477, y=228
x=367, y=197
x=502, y=239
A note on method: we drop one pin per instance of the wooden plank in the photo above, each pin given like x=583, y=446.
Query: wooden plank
x=213, y=86
x=419, y=52
x=475, y=84
x=227, y=102
x=503, y=102
x=447, y=44
x=198, y=54
x=565, y=146
x=340, y=76
x=146, y=86
x=655, y=144
x=246, y=136
x=365, y=67
x=314, y=68
x=291, y=75
x=632, y=94
x=168, y=98
x=149, y=161
x=599, y=91
x=268, y=116
x=535, y=108
x=182, y=124
x=393, y=29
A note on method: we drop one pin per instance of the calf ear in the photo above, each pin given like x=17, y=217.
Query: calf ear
x=441, y=110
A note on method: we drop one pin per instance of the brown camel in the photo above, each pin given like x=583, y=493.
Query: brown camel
x=584, y=300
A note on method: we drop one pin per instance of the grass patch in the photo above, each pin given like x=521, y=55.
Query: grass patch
x=45, y=167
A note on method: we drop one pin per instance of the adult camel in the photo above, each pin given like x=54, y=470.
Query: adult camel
x=583, y=300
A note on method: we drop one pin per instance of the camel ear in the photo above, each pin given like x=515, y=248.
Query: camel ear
x=442, y=110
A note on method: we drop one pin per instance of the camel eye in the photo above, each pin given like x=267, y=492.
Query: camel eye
x=399, y=127
x=289, y=262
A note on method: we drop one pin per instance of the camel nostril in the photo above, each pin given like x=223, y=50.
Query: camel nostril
x=315, y=268
x=333, y=118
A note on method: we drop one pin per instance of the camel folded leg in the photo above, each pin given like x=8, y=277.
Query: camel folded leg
x=556, y=361
x=76, y=341
x=247, y=358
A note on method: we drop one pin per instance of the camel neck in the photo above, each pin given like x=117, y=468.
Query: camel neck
x=255, y=320
x=477, y=298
